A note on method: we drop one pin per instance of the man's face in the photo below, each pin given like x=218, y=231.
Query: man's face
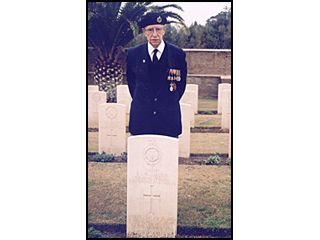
x=154, y=34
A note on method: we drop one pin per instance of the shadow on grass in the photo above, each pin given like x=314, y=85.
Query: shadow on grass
x=119, y=231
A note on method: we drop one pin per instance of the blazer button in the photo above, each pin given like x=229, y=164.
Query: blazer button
x=156, y=99
x=154, y=113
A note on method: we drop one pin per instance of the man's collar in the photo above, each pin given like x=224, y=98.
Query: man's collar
x=160, y=47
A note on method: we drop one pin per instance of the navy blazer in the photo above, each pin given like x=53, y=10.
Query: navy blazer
x=155, y=110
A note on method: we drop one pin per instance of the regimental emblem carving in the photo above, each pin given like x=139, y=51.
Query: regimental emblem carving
x=152, y=155
x=111, y=112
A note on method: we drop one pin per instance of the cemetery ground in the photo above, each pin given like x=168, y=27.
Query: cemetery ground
x=204, y=200
x=204, y=194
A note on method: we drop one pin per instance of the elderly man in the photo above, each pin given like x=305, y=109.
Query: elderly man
x=156, y=75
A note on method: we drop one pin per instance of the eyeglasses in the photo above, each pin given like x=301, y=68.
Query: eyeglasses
x=151, y=30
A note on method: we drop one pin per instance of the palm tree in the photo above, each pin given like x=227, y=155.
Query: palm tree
x=111, y=26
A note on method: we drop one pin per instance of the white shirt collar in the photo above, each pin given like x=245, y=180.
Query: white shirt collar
x=160, y=49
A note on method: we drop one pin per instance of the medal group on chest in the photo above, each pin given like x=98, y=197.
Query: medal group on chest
x=173, y=76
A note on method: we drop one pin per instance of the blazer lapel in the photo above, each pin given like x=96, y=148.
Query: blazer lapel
x=144, y=60
x=169, y=60
x=143, y=65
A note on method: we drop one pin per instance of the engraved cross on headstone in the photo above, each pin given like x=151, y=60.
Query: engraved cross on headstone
x=111, y=113
x=151, y=195
x=111, y=135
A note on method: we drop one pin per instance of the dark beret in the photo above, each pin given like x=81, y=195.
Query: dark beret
x=152, y=18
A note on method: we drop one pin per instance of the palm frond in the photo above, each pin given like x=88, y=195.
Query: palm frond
x=169, y=14
x=161, y=8
x=173, y=15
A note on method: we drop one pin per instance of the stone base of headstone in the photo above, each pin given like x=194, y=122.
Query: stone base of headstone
x=152, y=186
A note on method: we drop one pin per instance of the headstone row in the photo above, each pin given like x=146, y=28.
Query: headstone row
x=112, y=129
x=190, y=96
x=111, y=120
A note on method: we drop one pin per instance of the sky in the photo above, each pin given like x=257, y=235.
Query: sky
x=197, y=11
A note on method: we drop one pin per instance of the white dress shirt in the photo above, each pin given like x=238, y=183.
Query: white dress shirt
x=160, y=50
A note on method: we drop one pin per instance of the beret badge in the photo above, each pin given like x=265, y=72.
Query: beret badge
x=159, y=19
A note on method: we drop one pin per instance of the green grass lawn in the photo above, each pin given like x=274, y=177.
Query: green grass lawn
x=202, y=120
x=204, y=195
x=207, y=104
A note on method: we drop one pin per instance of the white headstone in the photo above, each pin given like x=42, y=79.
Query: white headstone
x=189, y=98
x=226, y=109
x=221, y=98
x=152, y=186
x=112, y=128
x=230, y=140
x=94, y=99
x=195, y=88
x=123, y=96
x=184, y=138
x=93, y=88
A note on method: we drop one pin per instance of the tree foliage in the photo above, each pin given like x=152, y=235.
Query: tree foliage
x=218, y=31
x=215, y=34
